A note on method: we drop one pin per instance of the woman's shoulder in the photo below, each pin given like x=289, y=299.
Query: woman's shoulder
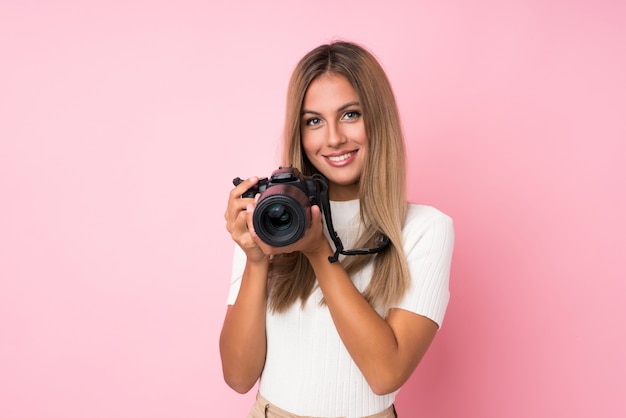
x=418, y=213
x=423, y=218
x=427, y=226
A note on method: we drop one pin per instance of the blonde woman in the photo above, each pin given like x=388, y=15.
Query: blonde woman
x=337, y=339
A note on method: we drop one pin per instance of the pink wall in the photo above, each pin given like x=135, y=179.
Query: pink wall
x=122, y=125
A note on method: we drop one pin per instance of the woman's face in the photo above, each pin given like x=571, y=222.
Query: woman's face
x=333, y=134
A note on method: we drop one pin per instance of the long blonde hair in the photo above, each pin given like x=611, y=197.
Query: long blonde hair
x=382, y=184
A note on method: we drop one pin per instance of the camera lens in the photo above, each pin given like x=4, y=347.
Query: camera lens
x=278, y=216
x=282, y=215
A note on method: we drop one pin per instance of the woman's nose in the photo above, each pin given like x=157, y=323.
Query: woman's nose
x=336, y=136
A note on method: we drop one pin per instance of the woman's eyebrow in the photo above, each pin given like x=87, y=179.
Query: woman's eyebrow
x=347, y=105
x=341, y=109
x=312, y=112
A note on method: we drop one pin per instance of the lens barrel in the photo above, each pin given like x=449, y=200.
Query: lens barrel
x=282, y=215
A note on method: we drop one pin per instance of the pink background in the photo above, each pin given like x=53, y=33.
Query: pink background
x=122, y=125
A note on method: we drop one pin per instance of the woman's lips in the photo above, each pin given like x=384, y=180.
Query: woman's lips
x=341, y=159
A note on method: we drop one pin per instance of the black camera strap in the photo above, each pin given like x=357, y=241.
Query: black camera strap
x=325, y=205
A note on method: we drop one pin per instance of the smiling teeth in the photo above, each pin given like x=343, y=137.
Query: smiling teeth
x=341, y=157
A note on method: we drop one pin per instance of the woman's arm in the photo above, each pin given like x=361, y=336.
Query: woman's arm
x=387, y=351
x=242, y=340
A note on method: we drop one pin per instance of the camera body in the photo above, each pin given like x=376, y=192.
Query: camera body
x=283, y=211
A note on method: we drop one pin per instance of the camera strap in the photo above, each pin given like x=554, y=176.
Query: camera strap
x=325, y=205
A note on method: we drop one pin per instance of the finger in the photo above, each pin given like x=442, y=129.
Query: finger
x=316, y=212
x=249, y=217
x=231, y=215
x=235, y=203
x=243, y=187
x=267, y=250
x=236, y=216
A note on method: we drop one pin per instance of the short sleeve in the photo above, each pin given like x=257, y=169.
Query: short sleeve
x=428, y=246
x=239, y=264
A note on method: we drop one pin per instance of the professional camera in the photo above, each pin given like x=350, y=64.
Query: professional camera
x=283, y=211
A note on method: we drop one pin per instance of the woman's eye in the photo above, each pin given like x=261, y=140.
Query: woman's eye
x=351, y=115
x=313, y=121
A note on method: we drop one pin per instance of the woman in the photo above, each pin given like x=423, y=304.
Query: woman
x=337, y=339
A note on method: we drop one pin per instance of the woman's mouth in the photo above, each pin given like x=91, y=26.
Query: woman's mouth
x=341, y=159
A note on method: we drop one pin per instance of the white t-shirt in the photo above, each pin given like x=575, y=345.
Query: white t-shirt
x=308, y=370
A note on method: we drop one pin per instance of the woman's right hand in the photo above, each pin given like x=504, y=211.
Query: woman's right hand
x=236, y=220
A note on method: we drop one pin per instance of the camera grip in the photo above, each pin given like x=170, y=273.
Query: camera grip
x=250, y=193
